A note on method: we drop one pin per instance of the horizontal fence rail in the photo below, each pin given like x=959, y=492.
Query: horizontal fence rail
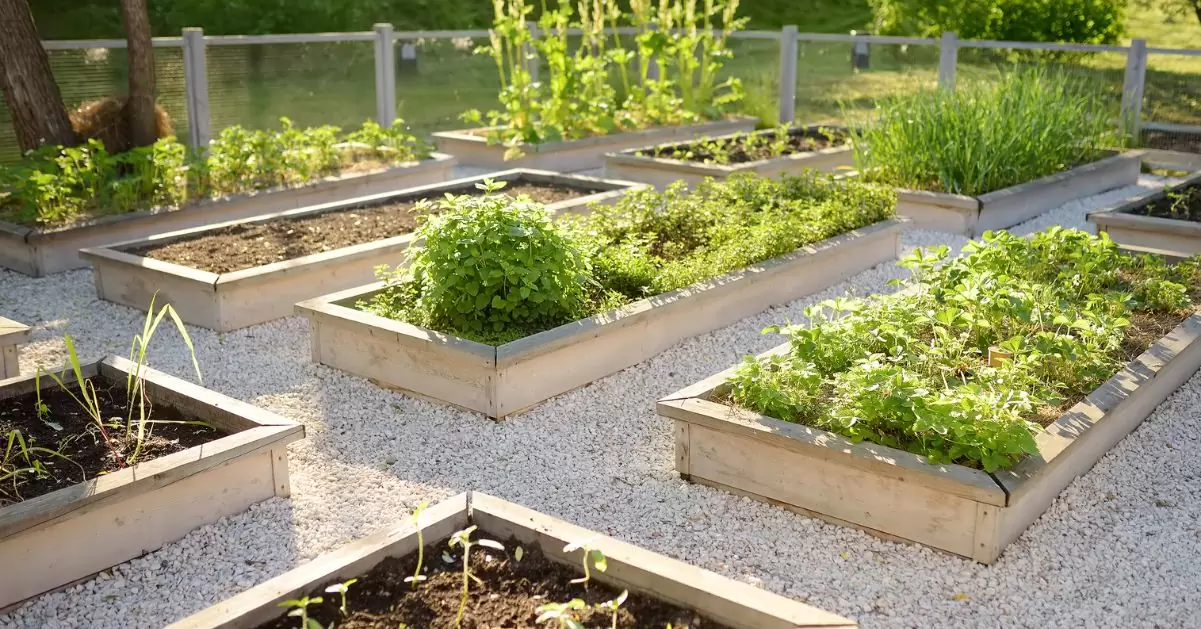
x=396, y=52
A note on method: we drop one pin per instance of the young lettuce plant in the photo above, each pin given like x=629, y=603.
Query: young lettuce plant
x=463, y=539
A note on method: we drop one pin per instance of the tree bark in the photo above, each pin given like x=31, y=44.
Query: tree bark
x=30, y=92
x=139, y=108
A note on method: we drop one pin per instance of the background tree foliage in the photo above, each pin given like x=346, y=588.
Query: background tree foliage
x=1080, y=21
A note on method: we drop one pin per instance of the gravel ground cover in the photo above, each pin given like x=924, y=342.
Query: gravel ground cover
x=1119, y=548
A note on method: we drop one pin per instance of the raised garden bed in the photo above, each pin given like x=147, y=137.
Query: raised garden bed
x=807, y=148
x=232, y=275
x=12, y=334
x=187, y=476
x=505, y=379
x=42, y=251
x=1168, y=219
x=974, y=215
x=471, y=148
x=661, y=590
x=900, y=495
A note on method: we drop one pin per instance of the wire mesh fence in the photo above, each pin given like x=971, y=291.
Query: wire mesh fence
x=85, y=74
x=318, y=80
x=313, y=84
x=835, y=86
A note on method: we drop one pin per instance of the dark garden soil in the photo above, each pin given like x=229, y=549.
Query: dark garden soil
x=739, y=152
x=509, y=596
x=1182, y=206
x=66, y=428
x=247, y=246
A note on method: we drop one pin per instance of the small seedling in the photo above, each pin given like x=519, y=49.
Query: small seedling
x=614, y=605
x=463, y=539
x=518, y=554
x=341, y=588
x=597, y=557
x=300, y=609
x=562, y=613
x=416, y=517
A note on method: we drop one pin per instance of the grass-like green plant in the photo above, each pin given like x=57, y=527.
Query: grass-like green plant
x=912, y=370
x=56, y=185
x=599, y=85
x=985, y=136
x=20, y=461
x=499, y=270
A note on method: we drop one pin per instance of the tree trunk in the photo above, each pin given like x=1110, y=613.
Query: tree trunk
x=30, y=92
x=139, y=108
x=1197, y=9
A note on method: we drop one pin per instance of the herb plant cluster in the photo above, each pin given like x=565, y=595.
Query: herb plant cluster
x=495, y=269
x=985, y=136
x=598, y=86
x=56, y=185
x=750, y=147
x=966, y=363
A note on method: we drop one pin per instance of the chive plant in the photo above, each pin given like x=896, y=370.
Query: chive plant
x=986, y=135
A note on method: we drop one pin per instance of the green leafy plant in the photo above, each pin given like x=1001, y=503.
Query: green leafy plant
x=985, y=136
x=577, y=98
x=591, y=556
x=21, y=460
x=490, y=264
x=463, y=540
x=416, y=518
x=913, y=371
x=299, y=608
x=749, y=147
x=341, y=589
x=1079, y=21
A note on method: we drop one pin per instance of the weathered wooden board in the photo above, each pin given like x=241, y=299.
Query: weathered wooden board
x=1182, y=237
x=12, y=334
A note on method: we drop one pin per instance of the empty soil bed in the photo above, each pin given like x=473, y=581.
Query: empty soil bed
x=65, y=427
x=1184, y=205
x=509, y=596
x=737, y=151
x=247, y=246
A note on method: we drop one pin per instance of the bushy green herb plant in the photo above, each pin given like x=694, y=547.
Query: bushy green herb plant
x=912, y=370
x=54, y=185
x=686, y=40
x=491, y=266
x=985, y=136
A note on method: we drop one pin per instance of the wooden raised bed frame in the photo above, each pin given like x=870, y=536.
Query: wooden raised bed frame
x=67, y=535
x=39, y=252
x=228, y=301
x=471, y=147
x=12, y=334
x=972, y=216
x=899, y=495
x=737, y=605
x=663, y=171
x=1178, y=236
x=501, y=381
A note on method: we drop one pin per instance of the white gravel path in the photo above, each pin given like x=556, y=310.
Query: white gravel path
x=1119, y=548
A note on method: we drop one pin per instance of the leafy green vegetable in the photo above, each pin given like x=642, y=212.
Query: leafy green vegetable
x=913, y=371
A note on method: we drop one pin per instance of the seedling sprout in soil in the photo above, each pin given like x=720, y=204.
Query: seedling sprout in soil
x=300, y=609
x=463, y=539
x=416, y=518
x=597, y=557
